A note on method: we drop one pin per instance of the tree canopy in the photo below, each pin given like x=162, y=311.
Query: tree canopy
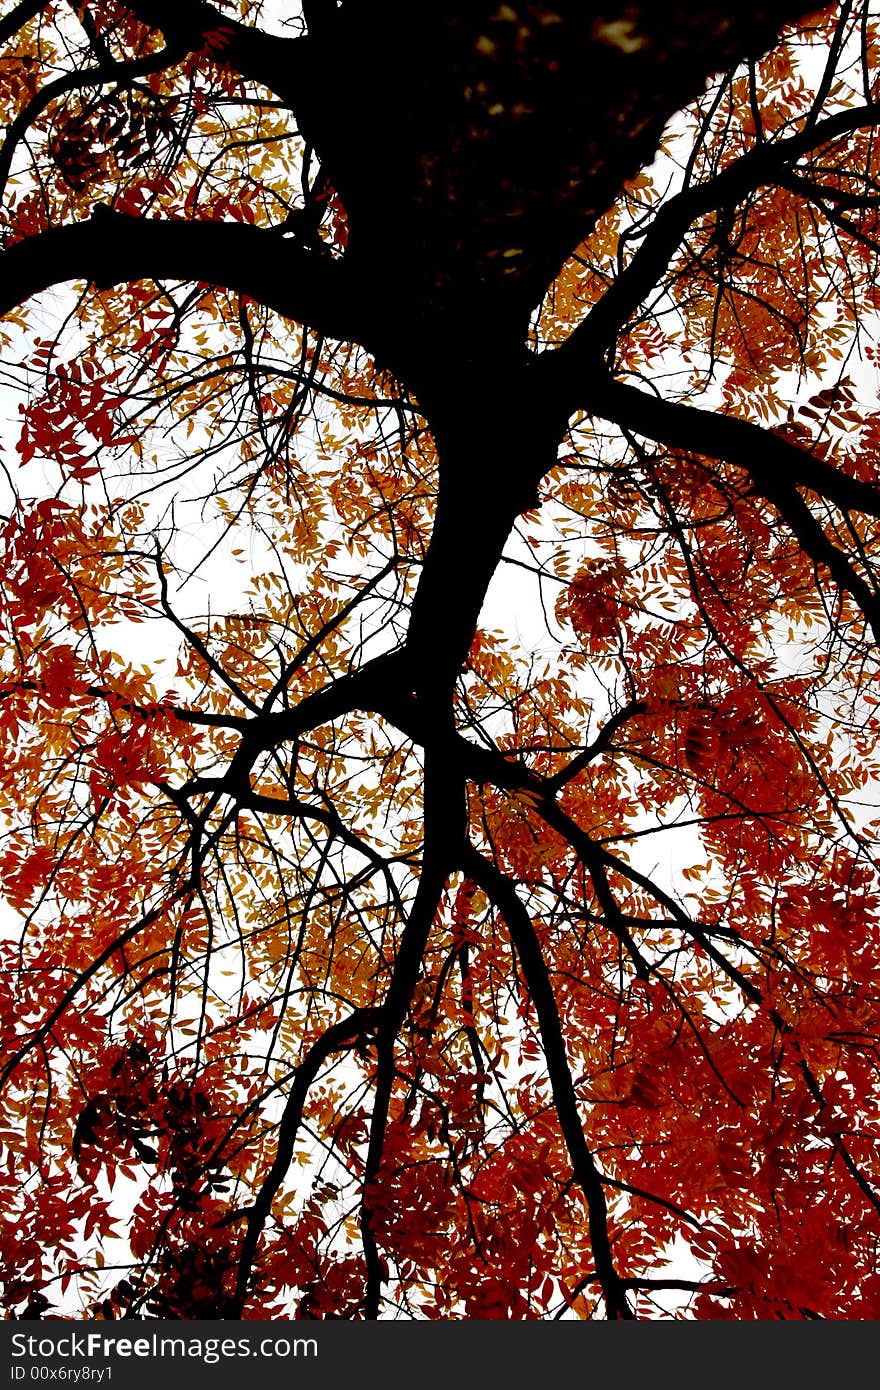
x=440, y=609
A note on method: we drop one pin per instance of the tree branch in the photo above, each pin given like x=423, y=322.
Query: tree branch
x=18, y=17
x=339, y=1035
x=275, y=62
x=600, y=744
x=502, y=893
x=112, y=248
x=776, y=466
x=444, y=837
x=772, y=461
x=763, y=165
x=74, y=82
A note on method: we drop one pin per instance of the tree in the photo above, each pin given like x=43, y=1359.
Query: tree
x=404, y=961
